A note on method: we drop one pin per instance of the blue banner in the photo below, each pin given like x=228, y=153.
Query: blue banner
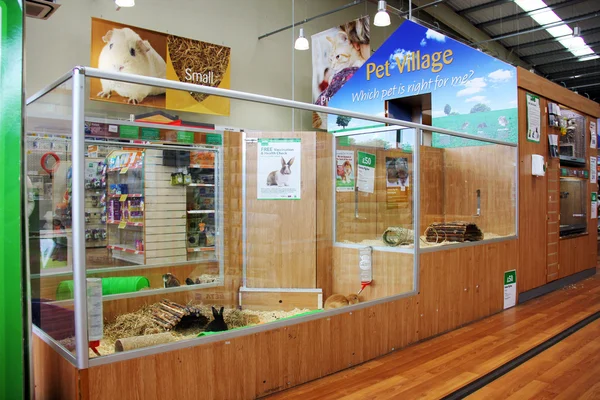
x=471, y=92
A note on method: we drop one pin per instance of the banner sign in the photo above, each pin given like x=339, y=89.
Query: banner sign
x=124, y=48
x=337, y=54
x=471, y=92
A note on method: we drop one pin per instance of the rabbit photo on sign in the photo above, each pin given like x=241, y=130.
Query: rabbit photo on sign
x=125, y=51
x=281, y=177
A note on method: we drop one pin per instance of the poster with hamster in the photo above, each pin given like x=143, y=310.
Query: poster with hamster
x=337, y=54
x=345, y=175
x=128, y=49
x=279, y=169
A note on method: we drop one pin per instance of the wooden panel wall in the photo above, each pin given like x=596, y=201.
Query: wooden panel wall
x=432, y=187
x=374, y=216
x=490, y=169
x=54, y=377
x=462, y=285
x=392, y=273
x=533, y=203
x=281, y=234
x=256, y=365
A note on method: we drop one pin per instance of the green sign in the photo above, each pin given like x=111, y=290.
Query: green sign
x=594, y=196
x=13, y=337
x=214, y=138
x=510, y=277
x=185, y=137
x=366, y=159
x=150, y=134
x=129, y=132
x=344, y=141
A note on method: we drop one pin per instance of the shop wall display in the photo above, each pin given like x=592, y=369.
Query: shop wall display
x=471, y=92
x=337, y=54
x=128, y=49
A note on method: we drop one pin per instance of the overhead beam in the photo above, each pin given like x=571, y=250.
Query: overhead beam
x=595, y=84
x=574, y=58
x=527, y=13
x=555, y=52
x=543, y=27
x=482, y=7
x=542, y=42
x=576, y=74
x=459, y=24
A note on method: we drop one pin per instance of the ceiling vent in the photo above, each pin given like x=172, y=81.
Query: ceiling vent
x=40, y=9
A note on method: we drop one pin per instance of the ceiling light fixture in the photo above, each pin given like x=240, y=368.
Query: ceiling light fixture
x=539, y=11
x=125, y=3
x=301, y=42
x=382, y=18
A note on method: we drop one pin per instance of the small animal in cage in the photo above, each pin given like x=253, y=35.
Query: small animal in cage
x=339, y=300
x=170, y=280
x=218, y=324
x=281, y=176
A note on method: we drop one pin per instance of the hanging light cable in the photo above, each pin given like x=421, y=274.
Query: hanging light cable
x=301, y=42
x=382, y=18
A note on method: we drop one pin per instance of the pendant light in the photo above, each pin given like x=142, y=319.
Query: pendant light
x=382, y=18
x=301, y=42
x=125, y=3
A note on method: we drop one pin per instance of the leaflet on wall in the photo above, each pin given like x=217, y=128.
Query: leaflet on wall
x=337, y=53
x=593, y=170
x=533, y=118
x=366, y=172
x=345, y=177
x=471, y=92
x=397, y=181
x=128, y=49
x=510, y=288
x=593, y=135
x=279, y=169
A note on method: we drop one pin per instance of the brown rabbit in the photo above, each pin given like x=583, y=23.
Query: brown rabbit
x=339, y=300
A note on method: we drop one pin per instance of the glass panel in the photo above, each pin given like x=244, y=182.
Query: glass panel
x=573, y=206
x=468, y=190
x=374, y=181
x=48, y=170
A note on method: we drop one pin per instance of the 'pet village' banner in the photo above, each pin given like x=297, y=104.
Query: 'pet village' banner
x=123, y=48
x=470, y=91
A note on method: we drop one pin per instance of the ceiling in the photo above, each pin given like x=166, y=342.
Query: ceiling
x=504, y=21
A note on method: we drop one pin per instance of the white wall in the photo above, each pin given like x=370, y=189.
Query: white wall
x=54, y=46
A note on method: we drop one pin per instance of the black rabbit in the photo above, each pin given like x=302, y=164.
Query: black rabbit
x=218, y=324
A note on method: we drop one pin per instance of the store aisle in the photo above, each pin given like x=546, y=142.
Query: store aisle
x=568, y=370
x=438, y=367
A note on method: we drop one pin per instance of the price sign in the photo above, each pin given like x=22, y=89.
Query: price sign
x=124, y=170
x=122, y=224
x=123, y=197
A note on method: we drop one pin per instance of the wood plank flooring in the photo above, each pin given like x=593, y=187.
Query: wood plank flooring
x=437, y=367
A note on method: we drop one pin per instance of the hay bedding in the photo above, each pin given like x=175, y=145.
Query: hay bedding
x=140, y=323
x=200, y=57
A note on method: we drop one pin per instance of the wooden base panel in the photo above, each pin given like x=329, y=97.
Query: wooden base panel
x=281, y=301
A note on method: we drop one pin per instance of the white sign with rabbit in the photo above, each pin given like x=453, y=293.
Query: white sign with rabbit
x=279, y=169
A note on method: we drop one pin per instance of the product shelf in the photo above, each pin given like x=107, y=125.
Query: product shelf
x=126, y=194
x=200, y=211
x=202, y=184
x=124, y=248
x=201, y=166
x=137, y=224
x=200, y=249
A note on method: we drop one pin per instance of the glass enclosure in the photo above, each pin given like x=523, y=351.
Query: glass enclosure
x=148, y=228
x=573, y=206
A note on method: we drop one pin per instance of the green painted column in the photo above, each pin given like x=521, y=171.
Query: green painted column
x=12, y=300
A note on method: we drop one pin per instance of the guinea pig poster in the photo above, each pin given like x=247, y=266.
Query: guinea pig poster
x=127, y=49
